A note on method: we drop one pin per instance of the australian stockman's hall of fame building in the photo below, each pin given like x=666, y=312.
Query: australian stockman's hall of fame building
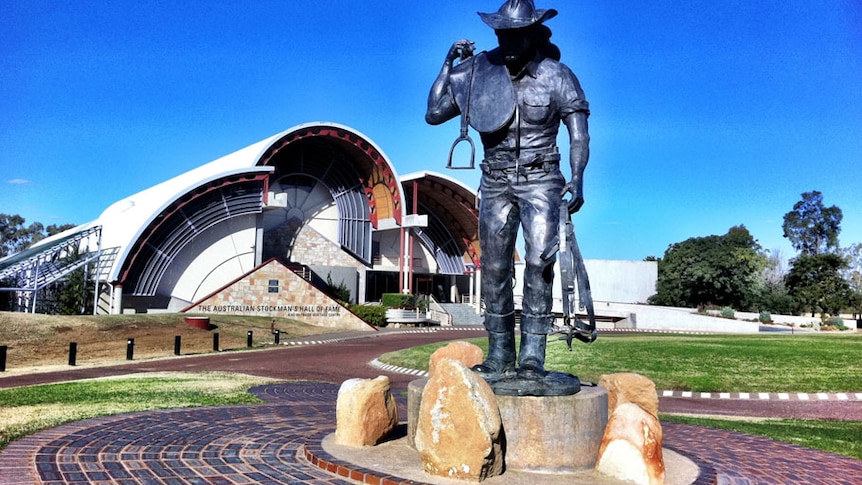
x=269, y=230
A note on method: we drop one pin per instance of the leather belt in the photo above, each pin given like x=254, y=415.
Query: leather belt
x=526, y=158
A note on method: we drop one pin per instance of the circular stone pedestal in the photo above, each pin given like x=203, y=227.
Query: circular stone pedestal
x=547, y=434
x=554, y=434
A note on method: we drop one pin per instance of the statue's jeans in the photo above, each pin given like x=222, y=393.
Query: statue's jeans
x=529, y=198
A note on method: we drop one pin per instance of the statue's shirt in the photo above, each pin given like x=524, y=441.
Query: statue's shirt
x=545, y=92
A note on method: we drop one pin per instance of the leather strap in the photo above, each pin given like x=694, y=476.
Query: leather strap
x=572, y=269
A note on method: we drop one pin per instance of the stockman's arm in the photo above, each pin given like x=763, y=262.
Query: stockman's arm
x=579, y=155
x=441, y=103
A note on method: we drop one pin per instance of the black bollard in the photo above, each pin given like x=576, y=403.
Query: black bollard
x=130, y=349
x=73, y=353
x=277, y=336
x=215, y=342
x=177, y=343
x=3, y=351
x=248, y=338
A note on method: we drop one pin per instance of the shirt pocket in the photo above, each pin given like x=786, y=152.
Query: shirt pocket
x=536, y=108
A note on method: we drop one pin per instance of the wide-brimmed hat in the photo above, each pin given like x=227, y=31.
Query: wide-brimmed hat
x=517, y=14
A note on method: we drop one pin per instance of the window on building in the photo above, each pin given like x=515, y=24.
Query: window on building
x=273, y=286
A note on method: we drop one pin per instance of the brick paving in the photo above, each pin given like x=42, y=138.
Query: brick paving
x=279, y=442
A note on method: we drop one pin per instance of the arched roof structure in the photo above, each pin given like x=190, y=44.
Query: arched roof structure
x=360, y=179
x=150, y=228
x=453, y=219
x=184, y=218
x=199, y=227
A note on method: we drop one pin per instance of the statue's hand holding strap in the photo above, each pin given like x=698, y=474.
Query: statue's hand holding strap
x=462, y=49
x=441, y=106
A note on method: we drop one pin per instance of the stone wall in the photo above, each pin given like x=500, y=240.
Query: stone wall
x=300, y=243
x=273, y=290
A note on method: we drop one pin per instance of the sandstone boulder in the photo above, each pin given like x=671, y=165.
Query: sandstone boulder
x=459, y=430
x=630, y=387
x=631, y=447
x=365, y=411
x=464, y=352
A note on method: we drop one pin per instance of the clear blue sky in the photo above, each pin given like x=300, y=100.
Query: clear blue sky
x=705, y=114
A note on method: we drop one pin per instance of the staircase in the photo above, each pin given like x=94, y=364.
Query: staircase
x=462, y=314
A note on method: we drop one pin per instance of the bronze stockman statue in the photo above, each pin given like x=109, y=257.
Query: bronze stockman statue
x=516, y=96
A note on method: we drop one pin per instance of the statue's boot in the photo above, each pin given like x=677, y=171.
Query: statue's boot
x=531, y=358
x=501, y=356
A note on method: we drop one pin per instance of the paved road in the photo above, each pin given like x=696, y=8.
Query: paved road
x=348, y=355
x=345, y=357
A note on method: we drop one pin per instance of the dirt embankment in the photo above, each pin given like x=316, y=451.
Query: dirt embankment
x=42, y=342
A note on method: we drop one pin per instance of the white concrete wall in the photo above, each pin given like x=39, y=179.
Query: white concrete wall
x=647, y=317
x=622, y=281
x=312, y=205
x=389, y=248
x=423, y=260
x=793, y=320
x=213, y=259
x=610, y=280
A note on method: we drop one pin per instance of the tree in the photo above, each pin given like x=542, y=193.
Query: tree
x=16, y=237
x=54, y=229
x=812, y=227
x=774, y=296
x=13, y=235
x=718, y=270
x=75, y=293
x=815, y=282
x=852, y=274
x=776, y=269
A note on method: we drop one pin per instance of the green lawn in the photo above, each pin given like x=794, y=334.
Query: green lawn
x=706, y=363
x=25, y=410
x=842, y=437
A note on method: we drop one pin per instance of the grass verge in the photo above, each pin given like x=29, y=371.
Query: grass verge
x=25, y=410
x=841, y=437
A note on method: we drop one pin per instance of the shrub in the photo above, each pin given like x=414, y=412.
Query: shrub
x=778, y=301
x=373, y=314
x=834, y=322
x=422, y=302
x=397, y=300
x=339, y=292
x=765, y=317
x=728, y=312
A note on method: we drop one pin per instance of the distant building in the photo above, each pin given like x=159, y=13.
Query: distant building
x=320, y=198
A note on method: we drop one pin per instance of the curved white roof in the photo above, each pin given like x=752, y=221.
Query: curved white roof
x=123, y=221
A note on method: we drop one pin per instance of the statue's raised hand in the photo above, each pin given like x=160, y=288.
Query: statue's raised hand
x=462, y=49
